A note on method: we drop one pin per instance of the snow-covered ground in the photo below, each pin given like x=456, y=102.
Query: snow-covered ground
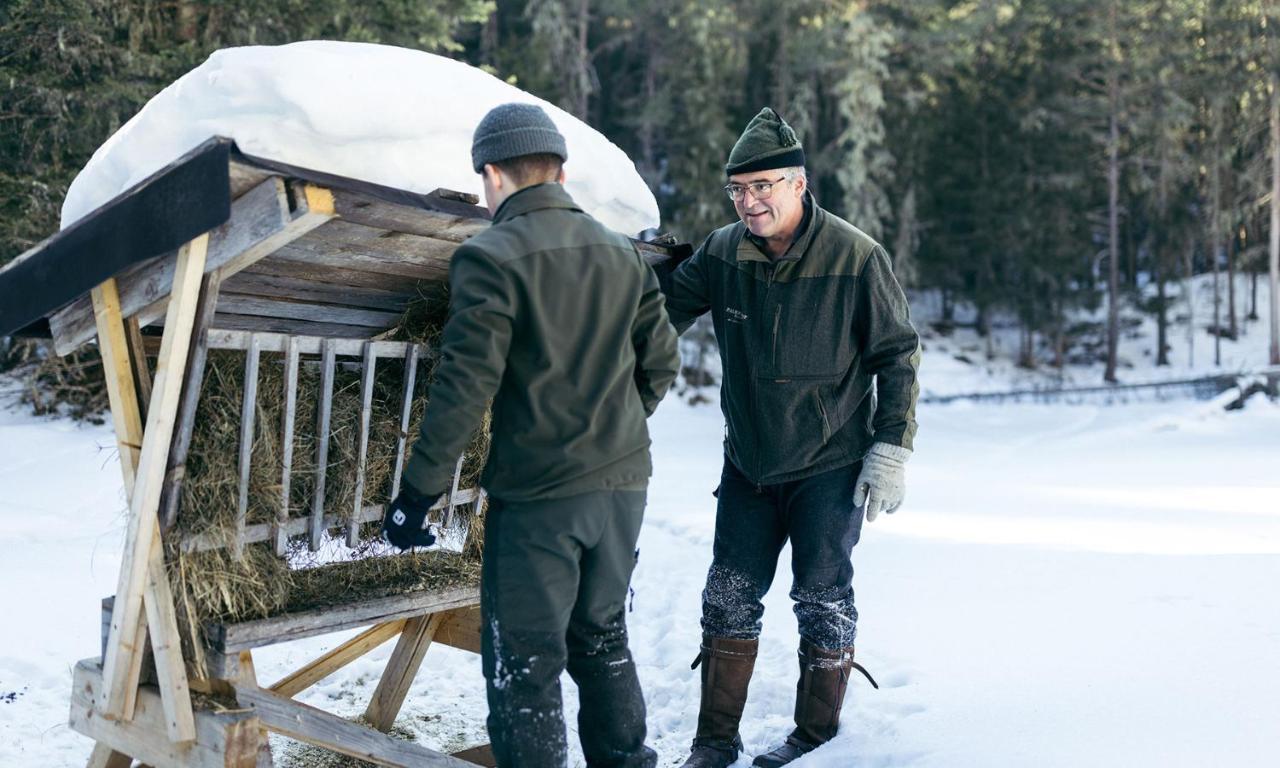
x=1065, y=586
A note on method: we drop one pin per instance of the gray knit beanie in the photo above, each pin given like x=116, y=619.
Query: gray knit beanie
x=514, y=130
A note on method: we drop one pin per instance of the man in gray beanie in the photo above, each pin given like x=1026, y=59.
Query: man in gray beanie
x=560, y=322
x=808, y=316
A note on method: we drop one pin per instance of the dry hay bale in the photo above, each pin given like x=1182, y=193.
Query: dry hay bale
x=218, y=585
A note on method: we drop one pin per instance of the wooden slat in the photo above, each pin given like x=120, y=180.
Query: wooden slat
x=113, y=348
x=253, y=283
x=329, y=352
x=229, y=638
x=314, y=726
x=286, y=441
x=481, y=755
x=166, y=647
x=141, y=370
x=453, y=491
x=248, y=418
x=406, y=409
x=285, y=326
x=320, y=668
x=143, y=524
x=375, y=212
x=408, y=257
x=222, y=739
x=298, y=526
x=260, y=223
x=193, y=381
x=401, y=669
x=289, y=309
x=349, y=275
x=106, y=757
x=369, y=365
x=222, y=338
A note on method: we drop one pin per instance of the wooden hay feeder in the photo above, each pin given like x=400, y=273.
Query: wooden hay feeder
x=228, y=252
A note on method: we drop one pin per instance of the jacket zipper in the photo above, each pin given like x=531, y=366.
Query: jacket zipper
x=755, y=405
x=777, y=318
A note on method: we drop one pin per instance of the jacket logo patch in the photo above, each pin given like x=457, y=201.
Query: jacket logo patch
x=735, y=315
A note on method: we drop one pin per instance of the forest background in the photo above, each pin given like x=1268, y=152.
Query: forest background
x=1032, y=160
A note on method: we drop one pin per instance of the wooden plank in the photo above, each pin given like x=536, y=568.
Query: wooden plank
x=141, y=370
x=143, y=524
x=348, y=275
x=461, y=629
x=260, y=223
x=453, y=492
x=222, y=740
x=288, y=309
x=406, y=409
x=106, y=757
x=314, y=726
x=121, y=394
x=375, y=212
x=166, y=647
x=228, y=638
x=253, y=283
x=193, y=381
x=286, y=440
x=298, y=526
x=248, y=416
x=346, y=246
x=285, y=326
x=329, y=353
x=320, y=668
x=222, y=338
x=401, y=669
x=369, y=364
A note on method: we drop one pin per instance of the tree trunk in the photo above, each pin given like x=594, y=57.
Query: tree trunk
x=1188, y=290
x=1113, y=224
x=1162, y=321
x=1233, y=330
x=1274, y=267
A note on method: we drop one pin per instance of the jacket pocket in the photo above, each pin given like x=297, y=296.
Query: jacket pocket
x=822, y=412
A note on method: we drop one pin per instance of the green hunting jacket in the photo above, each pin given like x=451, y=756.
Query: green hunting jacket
x=560, y=322
x=801, y=340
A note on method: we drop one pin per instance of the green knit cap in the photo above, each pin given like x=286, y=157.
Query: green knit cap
x=767, y=143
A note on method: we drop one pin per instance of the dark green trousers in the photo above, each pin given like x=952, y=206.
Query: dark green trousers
x=553, y=596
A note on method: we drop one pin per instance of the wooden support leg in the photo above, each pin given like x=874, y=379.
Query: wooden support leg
x=106, y=757
x=141, y=569
x=402, y=667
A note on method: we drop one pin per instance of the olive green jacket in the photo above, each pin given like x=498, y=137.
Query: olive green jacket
x=801, y=341
x=560, y=322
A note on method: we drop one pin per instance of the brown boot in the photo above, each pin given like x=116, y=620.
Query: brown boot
x=824, y=677
x=726, y=672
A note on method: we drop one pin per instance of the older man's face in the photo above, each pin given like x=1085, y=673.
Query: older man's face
x=775, y=214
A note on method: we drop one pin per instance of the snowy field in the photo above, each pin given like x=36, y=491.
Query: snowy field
x=1065, y=586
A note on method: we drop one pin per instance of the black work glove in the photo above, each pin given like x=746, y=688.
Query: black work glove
x=405, y=523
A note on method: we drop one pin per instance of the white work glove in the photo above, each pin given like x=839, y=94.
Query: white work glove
x=881, y=486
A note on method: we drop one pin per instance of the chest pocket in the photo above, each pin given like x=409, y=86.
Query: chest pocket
x=811, y=328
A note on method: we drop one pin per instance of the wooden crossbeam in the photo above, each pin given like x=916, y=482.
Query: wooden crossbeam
x=402, y=667
x=314, y=726
x=320, y=668
x=120, y=667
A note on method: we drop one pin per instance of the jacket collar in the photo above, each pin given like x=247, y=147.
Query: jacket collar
x=752, y=248
x=535, y=198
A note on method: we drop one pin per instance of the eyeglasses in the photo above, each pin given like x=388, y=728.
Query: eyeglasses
x=760, y=190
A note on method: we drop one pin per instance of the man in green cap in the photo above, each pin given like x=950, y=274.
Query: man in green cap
x=818, y=394
x=560, y=322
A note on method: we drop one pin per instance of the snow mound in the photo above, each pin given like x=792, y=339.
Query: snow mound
x=387, y=115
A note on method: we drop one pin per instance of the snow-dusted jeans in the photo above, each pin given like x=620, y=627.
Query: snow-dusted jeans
x=553, y=591
x=752, y=523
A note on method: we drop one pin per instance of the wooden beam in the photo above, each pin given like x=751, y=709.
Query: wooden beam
x=261, y=222
x=248, y=417
x=481, y=755
x=329, y=354
x=401, y=669
x=406, y=409
x=193, y=381
x=368, y=367
x=371, y=211
x=143, y=526
x=106, y=757
x=141, y=370
x=221, y=338
x=286, y=442
x=222, y=740
x=114, y=350
x=320, y=668
x=251, y=282
x=229, y=638
x=461, y=629
x=311, y=312
x=284, y=325
x=314, y=726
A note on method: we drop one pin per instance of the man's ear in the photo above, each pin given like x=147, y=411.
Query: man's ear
x=561, y=177
x=803, y=180
x=493, y=176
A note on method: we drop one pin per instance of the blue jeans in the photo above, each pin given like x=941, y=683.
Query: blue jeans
x=753, y=522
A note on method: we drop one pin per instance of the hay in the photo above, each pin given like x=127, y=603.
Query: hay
x=215, y=585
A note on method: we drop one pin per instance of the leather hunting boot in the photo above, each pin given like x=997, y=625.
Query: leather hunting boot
x=824, y=677
x=726, y=672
